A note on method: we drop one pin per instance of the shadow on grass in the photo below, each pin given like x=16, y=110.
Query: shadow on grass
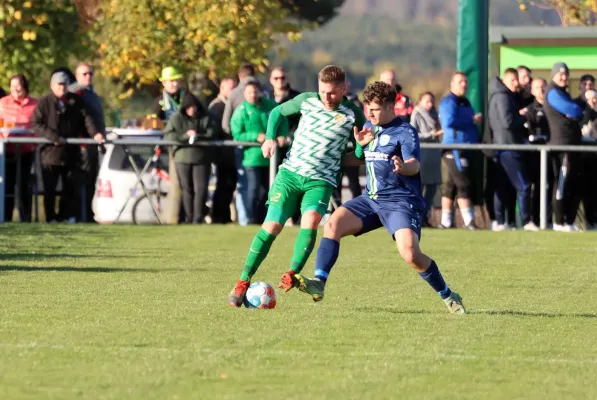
x=33, y=256
x=5, y=268
x=534, y=314
x=486, y=312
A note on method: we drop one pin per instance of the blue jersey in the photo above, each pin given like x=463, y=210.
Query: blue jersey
x=383, y=185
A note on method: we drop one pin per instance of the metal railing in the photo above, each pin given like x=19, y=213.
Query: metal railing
x=542, y=149
x=273, y=165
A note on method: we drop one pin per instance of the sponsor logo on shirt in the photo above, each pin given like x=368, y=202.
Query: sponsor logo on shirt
x=376, y=155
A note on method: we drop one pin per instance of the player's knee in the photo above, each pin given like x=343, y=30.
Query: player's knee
x=409, y=255
x=310, y=220
x=272, y=227
x=333, y=229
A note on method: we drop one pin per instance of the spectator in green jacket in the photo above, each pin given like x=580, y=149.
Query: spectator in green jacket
x=188, y=125
x=249, y=124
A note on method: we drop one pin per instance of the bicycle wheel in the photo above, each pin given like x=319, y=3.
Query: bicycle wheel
x=143, y=213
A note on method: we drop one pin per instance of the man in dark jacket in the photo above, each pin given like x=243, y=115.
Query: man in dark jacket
x=225, y=163
x=281, y=92
x=563, y=115
x=58, y=116
x=588, y=191
x=587, y=82
x=89, y=154
x=188, y=125
x=507, y=127
x=538, y=131
x=525, y=95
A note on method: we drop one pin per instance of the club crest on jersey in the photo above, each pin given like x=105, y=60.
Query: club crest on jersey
x=340, y=119
x=384, y=140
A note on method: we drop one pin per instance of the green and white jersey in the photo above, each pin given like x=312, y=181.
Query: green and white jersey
x=321, y=137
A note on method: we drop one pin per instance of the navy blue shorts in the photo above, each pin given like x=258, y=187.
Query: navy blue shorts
x=391, y=215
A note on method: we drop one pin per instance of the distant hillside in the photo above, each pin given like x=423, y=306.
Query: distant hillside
x=365, y=44
x=415, y=37
x=503, y=12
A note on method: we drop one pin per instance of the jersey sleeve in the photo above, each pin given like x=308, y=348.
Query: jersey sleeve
x=359, y=152
x=409, y=144
x=291, y=107
x=359, y=116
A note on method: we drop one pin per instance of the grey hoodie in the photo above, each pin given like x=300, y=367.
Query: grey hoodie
x=505, y=122
x=235, y=99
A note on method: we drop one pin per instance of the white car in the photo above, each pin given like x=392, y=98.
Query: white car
x=117, y=186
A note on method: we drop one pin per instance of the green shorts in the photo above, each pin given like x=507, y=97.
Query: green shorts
x=291, y=190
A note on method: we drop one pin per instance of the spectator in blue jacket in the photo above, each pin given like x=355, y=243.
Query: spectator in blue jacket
x=458, y=119
x=564, y=116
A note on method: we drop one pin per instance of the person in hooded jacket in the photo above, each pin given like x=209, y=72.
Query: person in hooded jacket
x=188, y=125
x=507, y=127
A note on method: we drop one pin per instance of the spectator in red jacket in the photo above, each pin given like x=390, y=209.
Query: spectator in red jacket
x=16, y=110
x=403, y=107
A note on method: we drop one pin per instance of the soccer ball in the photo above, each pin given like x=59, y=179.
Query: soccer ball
x=260, y=295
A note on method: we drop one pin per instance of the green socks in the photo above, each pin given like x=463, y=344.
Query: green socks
x=302, y=248
x=257, y=253
x=263, y=242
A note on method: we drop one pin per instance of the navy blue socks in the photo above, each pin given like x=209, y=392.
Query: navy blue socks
x=327, y=254
x=435, y=279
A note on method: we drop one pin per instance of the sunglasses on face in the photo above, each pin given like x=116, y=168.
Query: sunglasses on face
x=279, y=78
x=89, y=73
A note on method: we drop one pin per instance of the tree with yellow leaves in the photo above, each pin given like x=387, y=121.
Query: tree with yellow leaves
x=137, y=38
x=36, y=37
x=571, y=12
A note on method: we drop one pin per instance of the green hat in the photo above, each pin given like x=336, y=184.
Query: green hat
x=170, y=74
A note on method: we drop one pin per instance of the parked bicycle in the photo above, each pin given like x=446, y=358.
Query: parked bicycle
x=153, y=202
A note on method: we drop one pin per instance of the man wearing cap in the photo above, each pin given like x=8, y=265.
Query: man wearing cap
x=172, y=96
x=60, y=115
x=564, y=115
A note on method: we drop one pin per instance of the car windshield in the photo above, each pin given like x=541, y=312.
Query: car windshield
x=120, y=162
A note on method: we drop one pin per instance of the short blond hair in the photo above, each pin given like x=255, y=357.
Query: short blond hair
x=332, y=74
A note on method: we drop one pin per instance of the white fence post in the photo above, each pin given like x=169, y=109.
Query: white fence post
x=543, y=190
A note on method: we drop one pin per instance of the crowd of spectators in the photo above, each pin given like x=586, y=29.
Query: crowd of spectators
x=521, y=110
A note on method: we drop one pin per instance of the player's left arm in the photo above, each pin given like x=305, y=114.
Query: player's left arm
x=411, y=153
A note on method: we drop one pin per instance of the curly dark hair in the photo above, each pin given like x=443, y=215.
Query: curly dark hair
x=380, y=93
x=332, y=74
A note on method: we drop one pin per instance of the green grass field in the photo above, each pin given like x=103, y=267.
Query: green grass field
x=116, y=312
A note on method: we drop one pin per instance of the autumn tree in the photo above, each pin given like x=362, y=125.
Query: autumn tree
x=36, y=37
x=137, y=38
x=571, y=12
